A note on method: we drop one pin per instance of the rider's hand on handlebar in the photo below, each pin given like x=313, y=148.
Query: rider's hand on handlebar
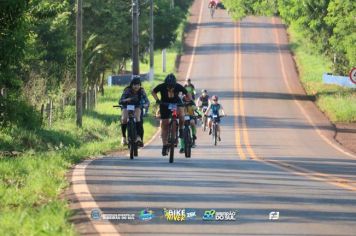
x=134, y=99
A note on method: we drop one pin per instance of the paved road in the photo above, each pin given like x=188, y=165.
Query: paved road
x=276, y=153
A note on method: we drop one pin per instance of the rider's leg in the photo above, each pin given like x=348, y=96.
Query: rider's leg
x=218, y=130
x=181, y=145
x=124, y=117
x=209, y=125
x=181, y=121
x=194, y=130
x=164, y=131
x=139, y=127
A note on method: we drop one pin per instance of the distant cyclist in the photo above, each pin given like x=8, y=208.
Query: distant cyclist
x=190, y=87
x=132, y=95
x=213, y=3
x=191, y=110
x=214, y=108
x=203, y=100
x=169, y=91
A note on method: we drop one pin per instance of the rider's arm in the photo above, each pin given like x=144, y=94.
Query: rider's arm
x=124, y=97
x=222, y=110
x=184, y=91
x=155, y=91
x=146, y=102
x=198, y=102
x=207, y=110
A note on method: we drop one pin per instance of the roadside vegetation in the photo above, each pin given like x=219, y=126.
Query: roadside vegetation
x=38, y=148
x=322, y=38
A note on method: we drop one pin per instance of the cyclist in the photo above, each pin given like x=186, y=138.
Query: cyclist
x=215, y=109
x=132, y=95
x=213, y=3
x=190, y=87
x=203, y=100
x=169, y=91
x=191, y=110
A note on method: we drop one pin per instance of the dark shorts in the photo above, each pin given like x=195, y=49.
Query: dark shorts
x=216, y=119
x=165, y=112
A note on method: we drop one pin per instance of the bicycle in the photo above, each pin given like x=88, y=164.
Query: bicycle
x=187, y=137
x=204, y=120
x=212, y=10
x=214, y=127
x=172, y=129
x=131, y=130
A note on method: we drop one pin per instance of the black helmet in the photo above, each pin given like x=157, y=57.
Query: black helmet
x=170, y=80
x=135, y=80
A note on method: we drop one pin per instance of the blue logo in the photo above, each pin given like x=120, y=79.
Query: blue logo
x=95, y=214
x=146, y=215
x=191, y=214
x=209, y=215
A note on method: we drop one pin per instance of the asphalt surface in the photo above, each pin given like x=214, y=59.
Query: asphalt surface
x=277, y=152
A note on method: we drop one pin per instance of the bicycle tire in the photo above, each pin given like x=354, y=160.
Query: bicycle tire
x=171, y=142
x=131, y=151
x=187, y=142
x=135, y=150
x=132, y=138
x=214, y=134
x=204, y=123
x=212, y=11
x=171, y=153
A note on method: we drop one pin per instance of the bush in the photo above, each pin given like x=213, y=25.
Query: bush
x=19, y=113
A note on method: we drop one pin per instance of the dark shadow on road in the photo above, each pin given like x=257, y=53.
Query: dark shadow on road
x=245, y=24
x=245, y=48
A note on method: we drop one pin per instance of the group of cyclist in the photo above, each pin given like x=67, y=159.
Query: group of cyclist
x=170, y=92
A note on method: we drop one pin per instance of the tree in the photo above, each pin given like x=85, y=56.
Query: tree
x=341, y=18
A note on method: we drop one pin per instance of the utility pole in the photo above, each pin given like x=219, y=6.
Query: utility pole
x=151, y=42
x=79, y=104
x=135, y=39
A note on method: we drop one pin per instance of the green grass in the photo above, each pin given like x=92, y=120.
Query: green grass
x=338, y=103
x=32, y=182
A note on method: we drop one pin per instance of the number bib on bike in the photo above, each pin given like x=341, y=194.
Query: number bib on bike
x=130, y=107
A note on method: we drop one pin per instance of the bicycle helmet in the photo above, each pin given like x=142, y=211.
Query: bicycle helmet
x=204, y=91
x=135, y=80
x=170, y=80
x=214, y=98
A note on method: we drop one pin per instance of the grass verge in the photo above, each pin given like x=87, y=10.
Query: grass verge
x=338, y=103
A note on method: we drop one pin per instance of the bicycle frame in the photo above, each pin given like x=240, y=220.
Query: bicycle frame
x=131, y=128
x=187, y=136
x=204, y=117
x=132, y=133
x=172, y=129
x=215, y=125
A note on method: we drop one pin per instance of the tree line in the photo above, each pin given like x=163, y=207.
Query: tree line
x=37, y=43
x=330, y=25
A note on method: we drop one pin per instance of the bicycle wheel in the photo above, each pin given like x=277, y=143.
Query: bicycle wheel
x=212, y=10
x=204, y=123
x=187, y=142
x=214, y=134
x=132, y=138
x=135, y=150
x=171, y=141
x=171, y=153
